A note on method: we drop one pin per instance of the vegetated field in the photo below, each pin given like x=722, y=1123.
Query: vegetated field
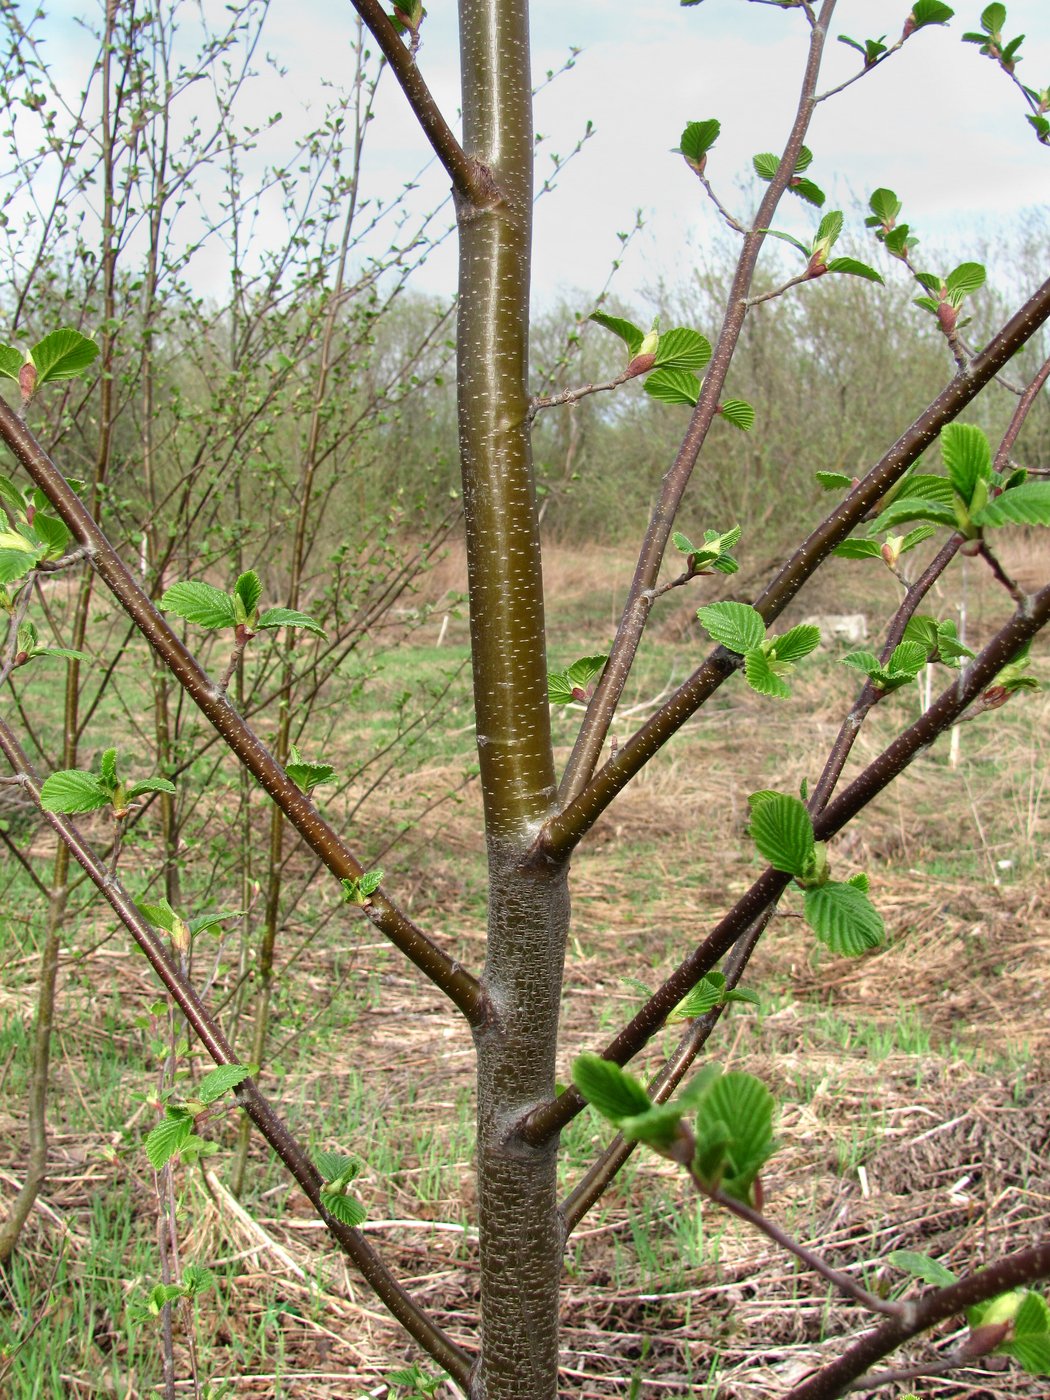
x=914, y=1113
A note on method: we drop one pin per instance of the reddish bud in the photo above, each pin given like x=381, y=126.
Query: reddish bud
x=984, y=1339
x=909, y=28
x=947, y=316
x=21, y=658
x=889, y=554
x=995, y=696
x=27, y=381
x=641, y=364
x=817, y=266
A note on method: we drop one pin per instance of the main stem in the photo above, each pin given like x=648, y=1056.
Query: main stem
x=521, y=1237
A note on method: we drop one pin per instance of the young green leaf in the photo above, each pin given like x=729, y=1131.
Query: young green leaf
x=782, y=829
x=1029, y=1339
x=713, y=554
x=843, y=917
x=72, y=790
x=682, y=349
x=967, y=458
x=734, y=1133
x=360, y=889
x=708, y=993
x=738, y=412
x=336, y=1167
x=736, y=626
x=921, y=1266
x=906, y=661
x=855, y=269
x=288, y=617
x=1028, y=504
x=248, y=589
x=565, y=687
x=796, y=643
x=307, y=776
x=11, y=362
x=673, y=386
x=199, y=603
x=220, y=1081
x=169, y=1137
x=761, y=676
x=835, y=481
x=196, y=1279
x=629, y=333
x=344, y=1208
x=149, y=785
x=961, y=281
x=926, y=12
x=64, y=354
x=608, y=1088
x=697, y=140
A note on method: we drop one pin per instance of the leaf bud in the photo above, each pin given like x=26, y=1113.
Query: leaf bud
x=891, y=550
x=27, y=381
x=994, y=696
x=947, y=315
x=641, y=363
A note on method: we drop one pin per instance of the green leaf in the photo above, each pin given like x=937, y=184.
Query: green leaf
x=359, y=890
x=220, y=1081
x=149, y=785
x=608, y=1088
x=736, y=626
x=14, y=539
x=844, y=918
x=160, y=915
x=855, y=269
x=209, y=923
x=107, y=767
x=807, y=190
x=67, y=652
x=169, y=1137
x=697, y=140
x=673, y=386
x=834, y=481
x=683, y=349
x=1028, y=504
x=72, y=790
x=854, y=548
x=196, y=1279
x=564, y=687
x=63, y=354
x=967, y=457
x=829, y=229
x=344, y=1208
x=885, y=206
x=734, y=1133
x=796, y=643
x=963, y=280
x=249, y=590
x=921, y=1266
x=628, y=332
x=708, y=993
x=1029, y=1341
x=738, y=412
x=307, y=776
x=199, y=603
x=713, y=553
x=907, y=508
x=761, y=676
x=766, y=165
x=658, y=1127
x=782, y=829
x=337, y=1166
x=11, y=362
x=54, y=534
x=926, y=12
x=288, y=617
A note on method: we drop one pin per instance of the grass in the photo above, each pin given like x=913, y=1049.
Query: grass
x=921, y=1064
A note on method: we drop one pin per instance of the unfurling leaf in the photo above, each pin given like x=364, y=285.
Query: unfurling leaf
x=782, y=829
x=564, y=687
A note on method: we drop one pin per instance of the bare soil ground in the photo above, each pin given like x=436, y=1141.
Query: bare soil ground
x=915, y=1103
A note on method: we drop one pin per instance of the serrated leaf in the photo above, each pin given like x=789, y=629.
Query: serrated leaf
x=885, y=205
x=64, y=354
x=782, y=829
x=344, y=1208
x=698, y=138
x=930, y=12
x=107, y=767
x=738, y=412
x=966, y=278
x=844, y=918
x=967, y=457
x=220, y=1081
x=207, y=923
x=736, y=626
x=860, y=880
x=169, y=1137
x=658, y=1127
x=834, y=481
x=249, y=589
x=66, y=652
x=150, y=785
x=708, y=993
x=288, y=617
x=858, y=549
x=734, y=1133
x=197, y=1279
x=562, y=685
x=307, y=776
x=627, y=331
x=807, y=190
x=609, y=1089
x=908, y=508
x=766, y=165
x=14, y=564
x=15, y=540
x=855, y=269
x=11, y=362
x=829, y=229
x=71, y=790
x=335, y=1166
x=673, y=386
x=199, y=603
x=54, y=534
x=1029, y=1342
x=797, y=643
x=1028, y=504
x=921, y=1266
x=761, y=676
x=683, y=349
x=160, y=915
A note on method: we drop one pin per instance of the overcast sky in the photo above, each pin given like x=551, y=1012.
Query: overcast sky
x=940, y=124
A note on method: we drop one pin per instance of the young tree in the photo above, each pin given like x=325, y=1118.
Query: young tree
x=719, y=1130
